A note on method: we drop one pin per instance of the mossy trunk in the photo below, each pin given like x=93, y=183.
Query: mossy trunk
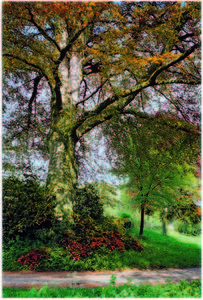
x=63, y=164
x=65, y=88
x=63, y=170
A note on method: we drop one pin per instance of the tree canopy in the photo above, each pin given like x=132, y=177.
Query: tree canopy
x=71, y=66
x=155, y=158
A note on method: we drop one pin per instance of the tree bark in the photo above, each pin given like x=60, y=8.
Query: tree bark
x=63, y=165
x=163, y=219
x=142, y=218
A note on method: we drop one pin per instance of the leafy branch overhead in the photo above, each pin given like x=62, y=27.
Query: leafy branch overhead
x=85, y=63
x=134, y=22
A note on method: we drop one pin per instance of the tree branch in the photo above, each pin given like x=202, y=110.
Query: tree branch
x=172, y=63
x=33, y=97
x=187, y=127
x=42, y=31
x=124, y=98
x=23, y=60
x=177, y=81
x=172, y=102
x=185, y=36
x=87, y=98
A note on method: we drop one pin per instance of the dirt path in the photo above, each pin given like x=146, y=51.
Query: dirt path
x=92, y=279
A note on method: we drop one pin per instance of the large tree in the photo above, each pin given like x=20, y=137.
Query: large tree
x=92, y=60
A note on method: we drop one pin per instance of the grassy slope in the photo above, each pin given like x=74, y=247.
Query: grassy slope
x=167, y=251
x=173, y=250
x=182, y=289
x=185, y=238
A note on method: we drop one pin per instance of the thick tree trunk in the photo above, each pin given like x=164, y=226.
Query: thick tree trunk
x=63, y=165
x=63, y=170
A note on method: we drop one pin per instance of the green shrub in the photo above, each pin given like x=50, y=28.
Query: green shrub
x=125, y=216
x=88, y=202
x=112, y=224
x=59, y=260
x=108, y=224
x=187, y=228
x=131, y=243
x=87, y=209
x=127, y=221
x=25, y=208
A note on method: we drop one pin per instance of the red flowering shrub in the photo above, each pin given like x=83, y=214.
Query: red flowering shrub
x=78, y=247
x=78, y=250
x=96, y=243
x=115, y=242
x=112, y=240
x=33, y=258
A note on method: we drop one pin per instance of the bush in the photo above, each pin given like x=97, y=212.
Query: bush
x=112, y=241
x=25, y=208
x=33, y=258
x=87, y=209
x=187, y=228
x=106, y=236
x=110, y=224
x=16, y=248
x=88, y=202
x=127, y=221
x=125, y=216
x=131, y=243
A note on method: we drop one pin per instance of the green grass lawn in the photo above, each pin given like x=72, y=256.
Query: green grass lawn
x=168, y=251
x=172, y=251
x=170, y=290
x=187, y=239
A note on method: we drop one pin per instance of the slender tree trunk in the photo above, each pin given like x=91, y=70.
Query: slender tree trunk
x=163, y=219
x=142, y=218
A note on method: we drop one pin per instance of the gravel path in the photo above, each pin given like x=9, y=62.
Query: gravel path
x=92, y=279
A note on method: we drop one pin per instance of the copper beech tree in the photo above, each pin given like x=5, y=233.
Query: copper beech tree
x=93, y=60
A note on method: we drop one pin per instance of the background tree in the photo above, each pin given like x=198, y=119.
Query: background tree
x=71, y=66
x=154, y=158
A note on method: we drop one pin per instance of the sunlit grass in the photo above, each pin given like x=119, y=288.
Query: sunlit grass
x=185, y=238
x=171, y=290
x=174, y=250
